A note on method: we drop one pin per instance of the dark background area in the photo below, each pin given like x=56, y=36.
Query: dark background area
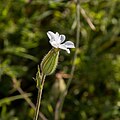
x=94, y=93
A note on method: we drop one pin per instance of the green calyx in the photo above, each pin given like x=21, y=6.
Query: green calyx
x=49, y=62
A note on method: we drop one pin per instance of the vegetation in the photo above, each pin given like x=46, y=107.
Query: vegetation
x=94, y=92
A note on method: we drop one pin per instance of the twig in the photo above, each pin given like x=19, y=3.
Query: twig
x=87, y=19
x=12, y=98
x=17, y=86
x=60, y=102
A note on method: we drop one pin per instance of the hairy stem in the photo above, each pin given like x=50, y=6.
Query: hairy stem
x=39, y=98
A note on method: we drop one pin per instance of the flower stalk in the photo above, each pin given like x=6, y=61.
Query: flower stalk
x=40, y=89
x=48, y=66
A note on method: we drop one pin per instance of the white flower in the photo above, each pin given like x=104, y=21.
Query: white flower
x=57, y=40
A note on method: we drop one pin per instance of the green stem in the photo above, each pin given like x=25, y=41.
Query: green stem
x=39, y=98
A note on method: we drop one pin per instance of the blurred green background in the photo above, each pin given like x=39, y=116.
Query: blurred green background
x=94, y=93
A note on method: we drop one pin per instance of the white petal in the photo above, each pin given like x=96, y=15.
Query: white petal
x=54, y=44
x=62, y=46
x=68, y=51
x=51, y=35
x=57, y=34
x=62, y=38
x=57, y=38
x=69, y=44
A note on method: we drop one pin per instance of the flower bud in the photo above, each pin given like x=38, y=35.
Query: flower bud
x=49, y=62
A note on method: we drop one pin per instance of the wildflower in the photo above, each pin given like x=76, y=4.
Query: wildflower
x=57, y=40
x=50, y=61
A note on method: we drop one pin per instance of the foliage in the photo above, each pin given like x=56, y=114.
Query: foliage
x=95, y=90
